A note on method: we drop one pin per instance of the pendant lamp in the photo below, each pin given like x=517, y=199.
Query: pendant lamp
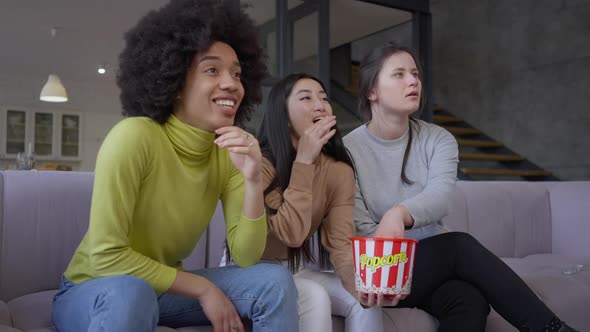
x=53, y=90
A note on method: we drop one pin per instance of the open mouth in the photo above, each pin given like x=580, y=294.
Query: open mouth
x=412, y=94
x=225, y=103
x=317, y=118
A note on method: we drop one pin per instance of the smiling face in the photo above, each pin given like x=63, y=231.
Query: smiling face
x=213, y=91
x=306, y=104
x=398, y=86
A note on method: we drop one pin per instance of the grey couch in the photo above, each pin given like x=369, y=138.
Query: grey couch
x=539, y=228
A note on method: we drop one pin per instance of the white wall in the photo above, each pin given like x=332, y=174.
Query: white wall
x=95, y=128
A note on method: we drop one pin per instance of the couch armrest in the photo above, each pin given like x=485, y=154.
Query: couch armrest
x=570, y=222
x=5, y=318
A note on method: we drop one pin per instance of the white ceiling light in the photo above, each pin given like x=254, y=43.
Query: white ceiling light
x=101, y=70
x=53, y=90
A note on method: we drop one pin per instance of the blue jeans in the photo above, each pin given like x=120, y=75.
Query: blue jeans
x=264, y=294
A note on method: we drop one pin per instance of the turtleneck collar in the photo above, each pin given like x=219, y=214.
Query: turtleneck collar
x=395, y=144
x=189, y=141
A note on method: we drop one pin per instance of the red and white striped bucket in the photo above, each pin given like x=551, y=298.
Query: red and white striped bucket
x=383, y=266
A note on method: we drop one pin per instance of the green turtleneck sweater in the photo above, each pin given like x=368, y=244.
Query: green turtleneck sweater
x=156, y=188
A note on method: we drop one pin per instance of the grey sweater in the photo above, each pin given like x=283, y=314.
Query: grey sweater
x=432, y=166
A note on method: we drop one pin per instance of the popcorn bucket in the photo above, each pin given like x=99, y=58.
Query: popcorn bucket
x=383, y=266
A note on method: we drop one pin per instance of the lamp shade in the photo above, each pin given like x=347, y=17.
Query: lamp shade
x=53, y=90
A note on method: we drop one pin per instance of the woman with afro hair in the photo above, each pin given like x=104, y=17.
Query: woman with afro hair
x=189, y=76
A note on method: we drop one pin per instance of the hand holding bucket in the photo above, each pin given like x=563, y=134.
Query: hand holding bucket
x=383, y=268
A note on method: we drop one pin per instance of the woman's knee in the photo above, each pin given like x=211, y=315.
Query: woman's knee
x=462, y=240
x=468, y=298
x=122, y=303
x=278, y=281
x=312, y=295
x=131, y=296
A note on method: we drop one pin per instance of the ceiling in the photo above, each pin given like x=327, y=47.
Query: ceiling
x=90, y=33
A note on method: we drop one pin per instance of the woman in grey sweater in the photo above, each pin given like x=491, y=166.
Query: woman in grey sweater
x=406, y=169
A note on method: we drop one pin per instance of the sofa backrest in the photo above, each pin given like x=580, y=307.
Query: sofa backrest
x=43, y=217
x=570, y=217
x=511, y=218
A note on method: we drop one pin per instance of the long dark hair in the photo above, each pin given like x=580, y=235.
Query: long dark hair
x=370, y=68
x=275, y=142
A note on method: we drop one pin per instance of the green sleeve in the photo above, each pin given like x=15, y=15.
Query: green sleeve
x=246, y=237
x=123, y=162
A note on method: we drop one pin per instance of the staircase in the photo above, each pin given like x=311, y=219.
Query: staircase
x=483, y=158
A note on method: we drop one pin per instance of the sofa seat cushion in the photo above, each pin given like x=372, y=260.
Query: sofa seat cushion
x=32, y=311
x=4, y=314
x=398, y=320
x=4, y=328
x=568, y=295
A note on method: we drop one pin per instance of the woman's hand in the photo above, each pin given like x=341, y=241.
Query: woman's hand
x=371, y=300
x=394, y=222
x=313, y=140
x=244, y=151
x=220, y=310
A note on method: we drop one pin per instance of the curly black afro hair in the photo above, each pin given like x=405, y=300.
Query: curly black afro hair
x=160, y=49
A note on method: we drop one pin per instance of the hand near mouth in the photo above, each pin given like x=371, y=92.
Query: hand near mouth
x=244, y=150
x=313, y=140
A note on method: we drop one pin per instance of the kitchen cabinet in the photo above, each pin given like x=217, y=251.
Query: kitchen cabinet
x=53, y=135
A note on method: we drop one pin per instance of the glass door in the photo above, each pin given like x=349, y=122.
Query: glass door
x=70, y=136
x=16, y=132
x=43, y=135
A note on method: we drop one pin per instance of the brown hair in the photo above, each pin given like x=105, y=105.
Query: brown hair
x=370, y=68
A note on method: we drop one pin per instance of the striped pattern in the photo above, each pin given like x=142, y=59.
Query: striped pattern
x=383, y=266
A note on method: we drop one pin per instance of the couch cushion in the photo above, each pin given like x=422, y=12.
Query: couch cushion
x=457, y=218
x=4, y=314
x=216, y=237
x=568, y=295
x=512, y=219
x=398, y=320
x=570, y=217
x=45, y=215
x=32, y=311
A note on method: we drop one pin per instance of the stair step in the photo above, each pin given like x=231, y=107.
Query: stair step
x=489, y=156
x=504, y=171
x=462, y=131
x=476, y=143
x=442, y=119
